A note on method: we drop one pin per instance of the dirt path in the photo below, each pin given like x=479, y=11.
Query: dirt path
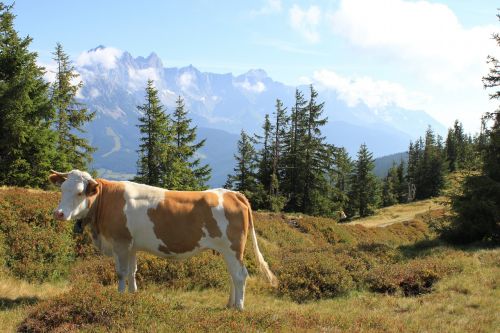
x=399, y=213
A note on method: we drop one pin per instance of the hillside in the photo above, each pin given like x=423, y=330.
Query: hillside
x=402, y=213
x=332, y=277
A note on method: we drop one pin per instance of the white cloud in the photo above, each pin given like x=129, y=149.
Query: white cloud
x=426, y=36
x=94, y=93
x=425, y=43
x=50, y=71
x=306, y=22
x=257, y=87
x=376, y=94
x=269, y=7
x=186, y=80
x=140, y=77
x=105, y=57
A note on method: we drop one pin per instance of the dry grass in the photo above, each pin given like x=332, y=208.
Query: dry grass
x=400, y=213
x=17, y=297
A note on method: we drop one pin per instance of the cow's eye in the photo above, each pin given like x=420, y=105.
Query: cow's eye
x=80, y=193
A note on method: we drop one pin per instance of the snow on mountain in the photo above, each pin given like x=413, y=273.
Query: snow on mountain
x=220, y=105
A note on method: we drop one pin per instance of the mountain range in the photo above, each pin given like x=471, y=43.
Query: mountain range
x=220, y=105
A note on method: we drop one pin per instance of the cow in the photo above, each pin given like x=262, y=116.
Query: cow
x=126, y=217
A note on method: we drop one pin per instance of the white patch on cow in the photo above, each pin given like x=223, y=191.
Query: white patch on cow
x=221, y=243
x=138, y=199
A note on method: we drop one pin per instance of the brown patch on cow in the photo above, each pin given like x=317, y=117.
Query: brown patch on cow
x=180, y=218
x=111, y=220
x=236, y=212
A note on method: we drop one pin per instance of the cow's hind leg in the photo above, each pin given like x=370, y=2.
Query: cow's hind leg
x=239, y=276
x=132, y=269
x=122, y=261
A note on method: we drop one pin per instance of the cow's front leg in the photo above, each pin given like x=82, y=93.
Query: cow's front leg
x=122, y=267
x=132, y=269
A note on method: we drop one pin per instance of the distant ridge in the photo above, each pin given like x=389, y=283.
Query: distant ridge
x=384, y=163
x=221, y=104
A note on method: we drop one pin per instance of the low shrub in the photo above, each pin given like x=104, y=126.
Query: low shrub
x=85, y=306
x=410, y=278
x=204, y=270
x=312, y=275
x=98, y=269
x=360, y=259
x=36, y=247
x=199, y=272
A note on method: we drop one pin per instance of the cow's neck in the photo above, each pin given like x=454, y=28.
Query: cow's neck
x=91, y=218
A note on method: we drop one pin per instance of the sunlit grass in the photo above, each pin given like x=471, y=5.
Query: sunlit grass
x=17, y=297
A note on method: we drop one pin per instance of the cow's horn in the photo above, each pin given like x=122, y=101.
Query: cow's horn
x=93, y=181
x=62, y=174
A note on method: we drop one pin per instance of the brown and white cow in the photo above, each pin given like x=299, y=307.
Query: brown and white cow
x=127, y=217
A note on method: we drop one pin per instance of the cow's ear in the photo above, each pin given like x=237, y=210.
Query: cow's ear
x=92, y=187
x=57, y=179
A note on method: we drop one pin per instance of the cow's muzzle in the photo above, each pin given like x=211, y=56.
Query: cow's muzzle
x=59, y=215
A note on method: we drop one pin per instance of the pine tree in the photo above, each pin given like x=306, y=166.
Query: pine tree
x=431, y=179
x=451, y=150
x=457, y=148
x=74, y=152
x=339, y=171
x=185, y=169
x=343, y=168
x=364, y=196
x=278, y=147
x=265, y=154
x=155, y=149
x=294, y=158
x=27, y=142
x=402, y=191
x=391, y=186
x=244, y=178
x=316, y=156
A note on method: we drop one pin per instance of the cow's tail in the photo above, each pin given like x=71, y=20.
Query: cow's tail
x=263, y=265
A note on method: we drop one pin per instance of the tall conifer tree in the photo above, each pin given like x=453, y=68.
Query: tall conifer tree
x=278, y=147
x=244, y=178
x=294, y=153
x=315, y=153
x=73, y=151
x=27, y=142
x=265, y=154
x=364, y=195
x=185, y=169
x=155, y=149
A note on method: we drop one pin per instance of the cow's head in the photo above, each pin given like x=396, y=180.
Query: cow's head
x=77, y=188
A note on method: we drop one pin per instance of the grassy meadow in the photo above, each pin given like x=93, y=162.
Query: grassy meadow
x=356, y=277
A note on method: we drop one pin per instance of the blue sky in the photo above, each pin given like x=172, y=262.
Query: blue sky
x=427, y=55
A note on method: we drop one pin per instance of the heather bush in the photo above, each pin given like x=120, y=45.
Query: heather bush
x=410, y=278
x=86, y=306
x=36, y=247
x=205, y=270
x=97, y=269
x=312, y=275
